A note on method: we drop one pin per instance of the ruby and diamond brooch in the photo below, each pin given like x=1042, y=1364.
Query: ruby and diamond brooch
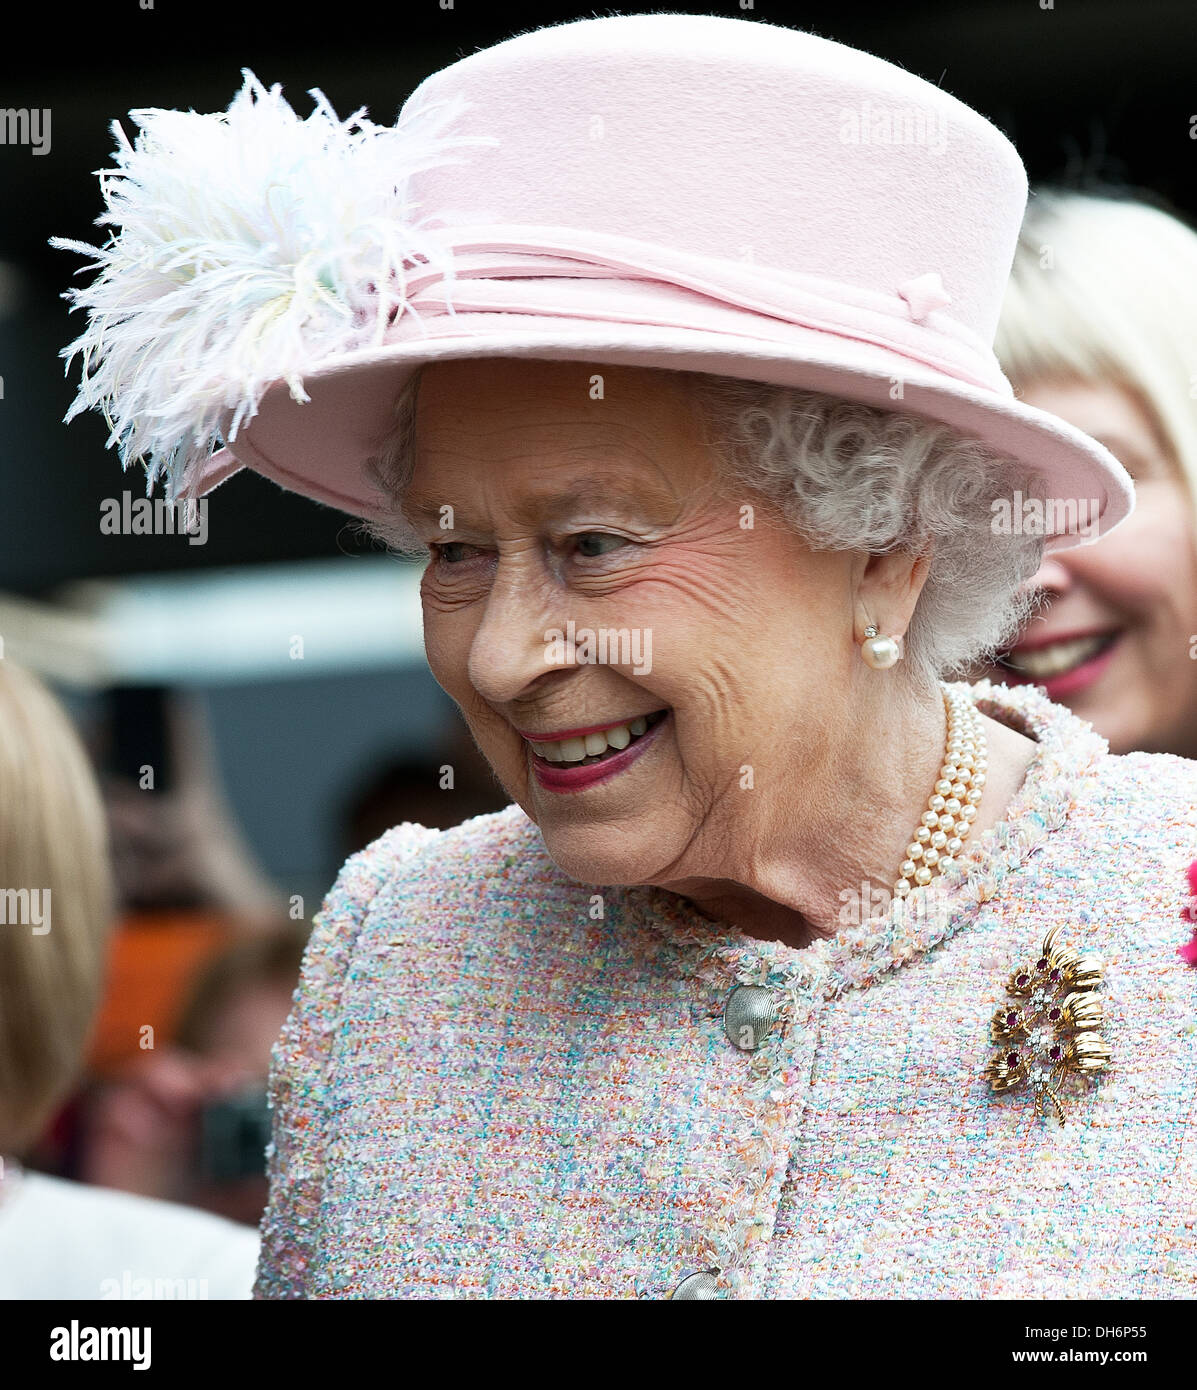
x=1052, y=1029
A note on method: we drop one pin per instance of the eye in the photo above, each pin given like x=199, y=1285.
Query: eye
x=453, y=552
x=591, y=544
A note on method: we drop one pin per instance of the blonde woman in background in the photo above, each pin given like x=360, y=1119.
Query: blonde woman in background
x=63, y=1239
x=1098, y=327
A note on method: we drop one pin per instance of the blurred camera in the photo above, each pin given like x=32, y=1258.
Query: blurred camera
x=234, y=1133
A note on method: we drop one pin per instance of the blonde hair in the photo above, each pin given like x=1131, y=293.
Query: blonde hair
x=53, y=836
x=1104, y=291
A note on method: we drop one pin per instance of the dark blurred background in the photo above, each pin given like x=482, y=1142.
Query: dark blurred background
x=271, y=769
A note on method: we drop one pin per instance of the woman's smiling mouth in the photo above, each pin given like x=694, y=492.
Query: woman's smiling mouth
x=581, y=759
x=1064, y=665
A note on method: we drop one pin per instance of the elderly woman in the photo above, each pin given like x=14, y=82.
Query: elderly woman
x=790, y=970
x=1097, y=327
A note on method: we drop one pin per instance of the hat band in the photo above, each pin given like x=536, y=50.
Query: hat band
x=597, y=276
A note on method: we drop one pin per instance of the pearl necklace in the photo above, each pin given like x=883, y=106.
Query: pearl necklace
x=950, y=813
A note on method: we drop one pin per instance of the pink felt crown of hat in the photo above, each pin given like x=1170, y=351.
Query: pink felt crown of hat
x=673, y=191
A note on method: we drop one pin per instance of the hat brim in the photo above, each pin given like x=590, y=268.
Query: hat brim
x=317, y=447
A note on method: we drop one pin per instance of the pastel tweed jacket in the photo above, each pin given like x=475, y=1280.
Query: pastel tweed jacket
x=498, y=1082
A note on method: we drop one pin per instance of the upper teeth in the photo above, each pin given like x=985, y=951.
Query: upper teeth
x=1045, y=662
x=573, y=750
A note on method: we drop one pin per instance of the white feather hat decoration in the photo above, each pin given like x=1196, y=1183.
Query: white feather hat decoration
x=250, y=244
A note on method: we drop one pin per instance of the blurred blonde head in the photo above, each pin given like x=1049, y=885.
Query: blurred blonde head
x=1104, y=291
x=1099, y=327
x=53, y=836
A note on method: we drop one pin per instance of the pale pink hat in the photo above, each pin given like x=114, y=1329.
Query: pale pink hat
x=671, y=191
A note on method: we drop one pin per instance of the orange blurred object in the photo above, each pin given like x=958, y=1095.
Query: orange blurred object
x=153, y=961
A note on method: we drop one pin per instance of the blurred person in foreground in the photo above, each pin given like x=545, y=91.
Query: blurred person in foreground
x=62, y=1239
x=1099, y=326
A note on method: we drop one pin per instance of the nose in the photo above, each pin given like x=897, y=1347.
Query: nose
x=1053, y=577
x=510, y=651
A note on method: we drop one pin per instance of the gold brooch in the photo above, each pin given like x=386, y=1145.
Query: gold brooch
x=1052, y=1030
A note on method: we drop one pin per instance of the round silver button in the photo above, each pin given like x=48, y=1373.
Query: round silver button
x=748, y=1015
x=700, y=1285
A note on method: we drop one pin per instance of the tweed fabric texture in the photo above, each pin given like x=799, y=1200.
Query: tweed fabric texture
x=498, y=1082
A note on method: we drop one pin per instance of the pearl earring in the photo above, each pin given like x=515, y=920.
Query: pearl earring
x=879, y=652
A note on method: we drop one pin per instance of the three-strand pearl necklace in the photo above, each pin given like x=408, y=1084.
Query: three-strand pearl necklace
x=950, y=813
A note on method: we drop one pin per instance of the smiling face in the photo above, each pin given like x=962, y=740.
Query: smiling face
x=605, y=514
x=1114, y=639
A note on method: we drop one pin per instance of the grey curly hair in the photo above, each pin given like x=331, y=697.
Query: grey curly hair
x=845, y=476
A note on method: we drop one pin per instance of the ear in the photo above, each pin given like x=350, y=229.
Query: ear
x=887, y=590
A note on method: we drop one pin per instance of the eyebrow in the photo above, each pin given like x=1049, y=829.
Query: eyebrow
x=581, y=496
x=1123, y=450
